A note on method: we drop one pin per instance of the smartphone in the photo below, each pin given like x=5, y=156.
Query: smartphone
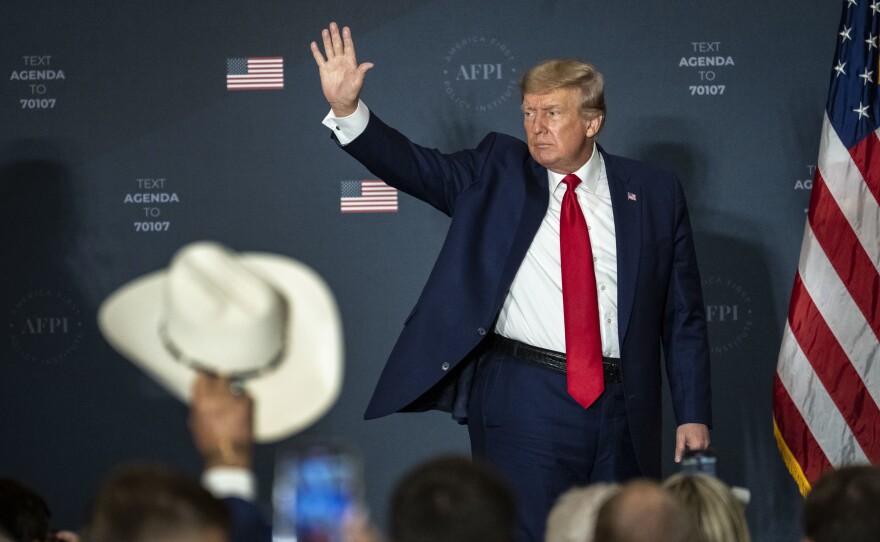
x=317, y=485
x=699, y=462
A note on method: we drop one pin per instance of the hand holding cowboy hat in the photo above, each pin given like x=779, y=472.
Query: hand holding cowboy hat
x=266, y=322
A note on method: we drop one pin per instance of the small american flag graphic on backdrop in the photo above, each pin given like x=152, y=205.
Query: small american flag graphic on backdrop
x=254, y=73
x=369, y=196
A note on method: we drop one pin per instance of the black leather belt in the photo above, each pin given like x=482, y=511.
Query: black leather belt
x=550, y=358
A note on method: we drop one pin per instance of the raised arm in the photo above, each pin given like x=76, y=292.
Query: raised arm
x=341, y=76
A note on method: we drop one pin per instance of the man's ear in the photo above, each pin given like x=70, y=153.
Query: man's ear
x=594, y=124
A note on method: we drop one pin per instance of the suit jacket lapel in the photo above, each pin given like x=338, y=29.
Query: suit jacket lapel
x=535, y=201
x=626, y=204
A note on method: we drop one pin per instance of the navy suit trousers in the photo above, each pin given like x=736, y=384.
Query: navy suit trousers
x=523, y=422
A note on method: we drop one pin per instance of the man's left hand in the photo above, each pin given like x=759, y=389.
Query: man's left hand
x=690, y=436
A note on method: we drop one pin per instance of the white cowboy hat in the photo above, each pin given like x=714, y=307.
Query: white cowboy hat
x=267, y=321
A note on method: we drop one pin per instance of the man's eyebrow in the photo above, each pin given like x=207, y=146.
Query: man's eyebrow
x=543, y=107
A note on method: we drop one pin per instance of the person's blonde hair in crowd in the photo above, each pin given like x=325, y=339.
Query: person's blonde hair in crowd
x=720, y=515
x=642, y=511
x=573, y=517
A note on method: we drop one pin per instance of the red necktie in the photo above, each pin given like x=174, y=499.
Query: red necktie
x=583, y=345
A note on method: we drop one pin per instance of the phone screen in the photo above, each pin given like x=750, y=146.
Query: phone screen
x=316, y=486
x=699, y=462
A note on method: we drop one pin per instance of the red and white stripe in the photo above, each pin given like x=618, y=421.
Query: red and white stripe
x=263, y=73
x=376, y=197
x=827, y=387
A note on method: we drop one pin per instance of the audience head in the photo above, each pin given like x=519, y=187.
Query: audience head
x=452, y=498
x=144, y=503
x=844, y=505
x=573, y=517
x=24, y=516
x=642, y=511
x=720, y=516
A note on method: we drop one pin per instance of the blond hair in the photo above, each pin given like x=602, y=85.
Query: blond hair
x=719, y=514
x=565, y=73
x=573, y=516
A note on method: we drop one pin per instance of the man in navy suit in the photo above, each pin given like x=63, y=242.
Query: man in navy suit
x=488, y=338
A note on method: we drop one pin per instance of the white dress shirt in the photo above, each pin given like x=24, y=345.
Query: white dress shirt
x=532, y=311
x=225, y=482
x=348, y=128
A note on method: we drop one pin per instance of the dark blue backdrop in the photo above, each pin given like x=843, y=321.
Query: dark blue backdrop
x=96, y=96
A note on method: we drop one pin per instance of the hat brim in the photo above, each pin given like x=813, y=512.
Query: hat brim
x=287, y=399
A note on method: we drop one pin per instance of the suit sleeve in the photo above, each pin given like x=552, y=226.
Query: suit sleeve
x=685, y=337
x=427, y=174
x=248, y=524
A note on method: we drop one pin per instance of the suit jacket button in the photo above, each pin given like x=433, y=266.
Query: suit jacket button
x=445, y=366
x=481, y=332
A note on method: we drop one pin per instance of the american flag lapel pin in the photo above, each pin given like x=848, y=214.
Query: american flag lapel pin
x=630, y=196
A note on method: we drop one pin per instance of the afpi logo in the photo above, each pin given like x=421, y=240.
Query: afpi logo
x=728, y=313
x=480, y=74
x=45, y=327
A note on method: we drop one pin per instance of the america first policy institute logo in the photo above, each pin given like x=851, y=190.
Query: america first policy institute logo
x=480, y=73
x=45, y=327
x=728, y=313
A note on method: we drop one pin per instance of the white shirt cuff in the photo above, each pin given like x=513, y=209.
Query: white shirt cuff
x=348, y=128
x=225, y=482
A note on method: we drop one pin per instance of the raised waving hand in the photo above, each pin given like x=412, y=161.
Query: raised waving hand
x=341, y=76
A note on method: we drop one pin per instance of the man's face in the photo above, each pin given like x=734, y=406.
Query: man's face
x=559, y=137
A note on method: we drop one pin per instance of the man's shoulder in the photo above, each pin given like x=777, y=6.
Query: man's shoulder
x=633, y=164
x=504, y=147
x=509, y=139
x=632, y=167
x=505, y=141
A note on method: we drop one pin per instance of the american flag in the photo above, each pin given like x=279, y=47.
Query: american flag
x=367, y=197
x=254, y=73
x=827, y=387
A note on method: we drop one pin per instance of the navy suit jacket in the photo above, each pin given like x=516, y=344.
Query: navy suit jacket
x=497, y=196
x=248, y=524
